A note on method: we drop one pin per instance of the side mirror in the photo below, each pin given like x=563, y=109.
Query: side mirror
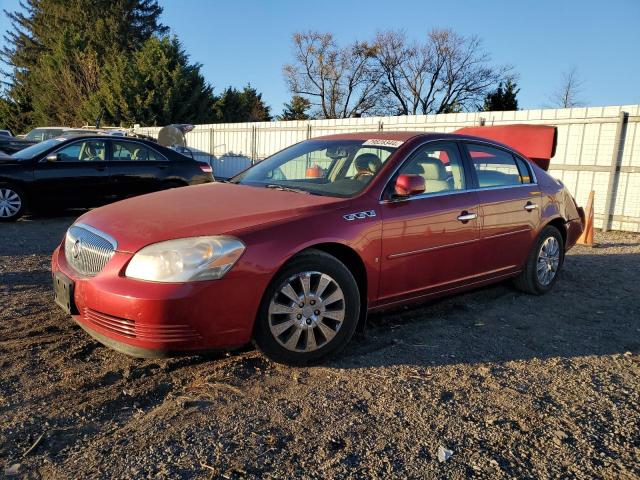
x=407, y=185
x=52, y=158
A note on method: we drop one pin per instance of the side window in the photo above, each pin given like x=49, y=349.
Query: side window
x=87, y=151
x=440, y=165
x=133, y=151
x=494, y=167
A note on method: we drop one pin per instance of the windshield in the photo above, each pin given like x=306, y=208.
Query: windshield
x=337, y=168
x=40, y=134
x=34, y=150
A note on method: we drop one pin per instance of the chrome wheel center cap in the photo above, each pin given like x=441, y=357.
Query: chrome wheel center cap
x=307, y=311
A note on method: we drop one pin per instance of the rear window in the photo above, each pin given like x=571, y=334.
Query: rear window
x=496, y=168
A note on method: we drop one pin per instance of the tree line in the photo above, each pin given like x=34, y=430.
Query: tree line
x=69, y=62
x=72, y=61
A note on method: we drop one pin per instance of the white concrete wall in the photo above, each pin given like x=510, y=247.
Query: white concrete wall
x=586, y=138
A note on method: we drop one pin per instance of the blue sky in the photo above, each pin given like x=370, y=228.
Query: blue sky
x=241, y=41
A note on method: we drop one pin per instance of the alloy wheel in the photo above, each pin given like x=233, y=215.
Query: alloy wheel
x=548, y=261
x=307, y=311
x=10, y=202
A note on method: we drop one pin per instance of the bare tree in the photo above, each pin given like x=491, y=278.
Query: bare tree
x=340, y=82
x=568, y=93
x=446, y=72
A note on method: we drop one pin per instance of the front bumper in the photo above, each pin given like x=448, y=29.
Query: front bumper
x=148, y=319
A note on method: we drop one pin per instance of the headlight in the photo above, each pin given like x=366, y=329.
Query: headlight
x=186, y=259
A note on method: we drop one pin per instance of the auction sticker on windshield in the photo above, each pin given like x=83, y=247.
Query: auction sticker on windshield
x=382, y=142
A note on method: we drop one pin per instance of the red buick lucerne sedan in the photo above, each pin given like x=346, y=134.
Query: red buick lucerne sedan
x=293, y=252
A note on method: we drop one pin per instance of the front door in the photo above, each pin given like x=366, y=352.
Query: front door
x=75, y=175
x=429, y=241
x=510, y=205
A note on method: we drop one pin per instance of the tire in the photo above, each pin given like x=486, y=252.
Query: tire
x=315, y=326
x=550, y=245
x=13, y=202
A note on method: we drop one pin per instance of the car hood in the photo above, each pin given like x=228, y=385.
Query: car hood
x=210, y=209
x=7, y=159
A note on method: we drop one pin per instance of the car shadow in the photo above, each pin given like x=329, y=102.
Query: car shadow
x=594, y=309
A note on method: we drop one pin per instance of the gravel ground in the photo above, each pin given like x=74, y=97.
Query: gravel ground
x=511, y=385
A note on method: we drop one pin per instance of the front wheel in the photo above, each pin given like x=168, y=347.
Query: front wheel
x=543, y=264
x=12, y=203
x=309, y=311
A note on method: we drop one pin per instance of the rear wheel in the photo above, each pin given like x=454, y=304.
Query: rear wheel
x=309, y=311
x=544, y=263
x=12, y=203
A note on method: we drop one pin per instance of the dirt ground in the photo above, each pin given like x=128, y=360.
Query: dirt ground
x=512, y=385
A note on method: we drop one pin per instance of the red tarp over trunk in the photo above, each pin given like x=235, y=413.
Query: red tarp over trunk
x=537, y=142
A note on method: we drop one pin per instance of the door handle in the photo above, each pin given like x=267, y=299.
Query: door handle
x=465, y=216
x=101, y=168
x=530, y=206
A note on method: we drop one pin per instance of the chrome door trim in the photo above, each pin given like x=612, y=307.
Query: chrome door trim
x=506, y=234
x=430, y=249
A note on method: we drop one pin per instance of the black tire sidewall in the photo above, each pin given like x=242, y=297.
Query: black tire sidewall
x=311, y=260
x=23, y=199
x=547, y=232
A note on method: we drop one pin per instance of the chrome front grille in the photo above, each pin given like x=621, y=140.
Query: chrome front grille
x=87, y=249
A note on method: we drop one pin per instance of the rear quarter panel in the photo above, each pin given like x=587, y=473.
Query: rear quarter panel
x=557, y=202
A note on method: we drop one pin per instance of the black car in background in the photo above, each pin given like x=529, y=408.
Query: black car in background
x=91, y=170
x=10, y=145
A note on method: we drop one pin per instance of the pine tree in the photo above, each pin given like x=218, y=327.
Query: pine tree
x=156, y=86
x=241, y=106
x=503, y=98
x=72, y=60
x=296, y=109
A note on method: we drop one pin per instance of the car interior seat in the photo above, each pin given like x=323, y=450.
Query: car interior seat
x=435, y=175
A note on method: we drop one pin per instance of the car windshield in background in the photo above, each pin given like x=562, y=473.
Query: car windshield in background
x=339, y=168
x=40, y=134
x=34, y=150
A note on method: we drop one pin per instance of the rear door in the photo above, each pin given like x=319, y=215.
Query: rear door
x=76, y=174
x=510, y=203
x=429, y=241
x=135, y=168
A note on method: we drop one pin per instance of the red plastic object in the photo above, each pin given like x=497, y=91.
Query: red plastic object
x=314, y=172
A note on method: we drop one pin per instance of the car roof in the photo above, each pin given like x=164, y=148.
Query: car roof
x=102, y=136
x=406, y=136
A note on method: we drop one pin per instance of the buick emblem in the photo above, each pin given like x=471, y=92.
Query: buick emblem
x=75, y=250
